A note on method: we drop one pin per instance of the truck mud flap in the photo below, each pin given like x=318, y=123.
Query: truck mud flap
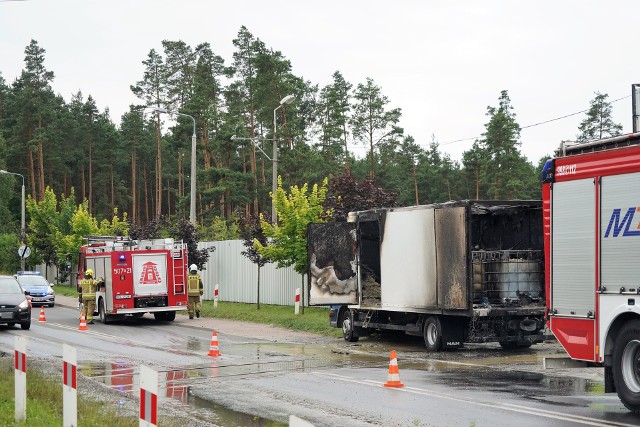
x=452, y=332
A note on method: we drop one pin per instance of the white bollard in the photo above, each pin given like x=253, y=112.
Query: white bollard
x=298, y=422
x=148, y=397
x=215, y=297
x=69, y=387
x=297, y=303
x=20, y=365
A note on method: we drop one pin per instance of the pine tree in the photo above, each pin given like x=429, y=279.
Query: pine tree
x=245, y=58
x=152, y=90
x=36, y=102
x=371, y=122
x=333, y=115
x=503, y=169
x=598, y=123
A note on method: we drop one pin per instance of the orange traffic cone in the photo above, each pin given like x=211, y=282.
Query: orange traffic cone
x=83, y=324
x=393, y=380
x=42, y=318
x=213, y=348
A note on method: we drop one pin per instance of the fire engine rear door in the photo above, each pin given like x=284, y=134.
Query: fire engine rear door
x=573, y=251
x=332, y=263
x=149, y=273
x=573, y=266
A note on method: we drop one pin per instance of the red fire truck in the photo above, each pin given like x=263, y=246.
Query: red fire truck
x=591, y=211
x=144, y=276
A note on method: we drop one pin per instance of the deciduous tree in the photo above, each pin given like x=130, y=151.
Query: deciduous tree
x=251, y=231
x=346, y=194
x=295, y=211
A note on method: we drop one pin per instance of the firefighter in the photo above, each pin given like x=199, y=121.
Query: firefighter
x=195, y=289
x=87, y=295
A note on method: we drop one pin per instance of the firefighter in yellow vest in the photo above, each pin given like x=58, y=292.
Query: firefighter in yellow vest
x=195, y=290
x=87, y=294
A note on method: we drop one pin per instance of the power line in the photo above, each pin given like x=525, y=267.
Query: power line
x=535, y=124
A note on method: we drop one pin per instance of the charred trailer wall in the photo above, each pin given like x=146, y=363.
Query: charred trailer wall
x=369, y=258
x=452, y=250
x=332, y=256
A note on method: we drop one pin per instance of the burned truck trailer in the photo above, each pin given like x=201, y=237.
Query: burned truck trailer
x=465, y=271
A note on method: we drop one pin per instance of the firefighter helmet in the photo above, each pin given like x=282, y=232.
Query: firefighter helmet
x=89, y=272
x=193, y=267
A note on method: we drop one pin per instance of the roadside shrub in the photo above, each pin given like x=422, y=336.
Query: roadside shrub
x=9, y=260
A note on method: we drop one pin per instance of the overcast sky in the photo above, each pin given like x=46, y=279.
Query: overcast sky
x=441, y=62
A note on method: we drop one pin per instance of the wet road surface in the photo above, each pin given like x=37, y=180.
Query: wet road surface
x=328, y=381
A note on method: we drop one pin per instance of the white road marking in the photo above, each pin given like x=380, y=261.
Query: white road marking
x=474, y=401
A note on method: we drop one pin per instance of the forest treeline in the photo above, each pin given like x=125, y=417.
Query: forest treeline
x=140, y=164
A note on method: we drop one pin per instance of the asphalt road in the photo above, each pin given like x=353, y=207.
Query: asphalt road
x=267, y=373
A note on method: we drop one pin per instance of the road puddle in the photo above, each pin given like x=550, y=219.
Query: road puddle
x=174, y=384
x=223, y=416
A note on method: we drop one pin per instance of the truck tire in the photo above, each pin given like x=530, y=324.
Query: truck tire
x=348, y=330
x=102, y=313
x=433, y=333
x=626, y=365
x=158, y=315
x=169, y=316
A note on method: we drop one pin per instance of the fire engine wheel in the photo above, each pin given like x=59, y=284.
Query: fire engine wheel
x=104, y=317
x=626, y=365
x=165, y=316
x=433, y=333
x=348, y=331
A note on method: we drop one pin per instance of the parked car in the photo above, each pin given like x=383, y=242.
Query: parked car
x=40, y=291
x=14, y=305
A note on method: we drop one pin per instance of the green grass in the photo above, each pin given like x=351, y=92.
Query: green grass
x=66, y=290
x=44, y=403
x=314, y=319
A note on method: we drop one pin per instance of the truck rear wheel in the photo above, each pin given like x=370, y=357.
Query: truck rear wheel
x=626, y=365
x=433, y=333
x=347, y=327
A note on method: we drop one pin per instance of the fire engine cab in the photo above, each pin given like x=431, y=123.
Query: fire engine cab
x=591, y=210
x=143, y=276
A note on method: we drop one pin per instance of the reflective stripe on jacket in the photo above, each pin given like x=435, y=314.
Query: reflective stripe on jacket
x=88, y=287
x=194, y=284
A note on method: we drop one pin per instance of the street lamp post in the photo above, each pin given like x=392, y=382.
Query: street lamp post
x=286, y=100
x=22, y=224
x=192, y=196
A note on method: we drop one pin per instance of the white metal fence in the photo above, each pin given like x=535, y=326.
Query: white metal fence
x=237, y=277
